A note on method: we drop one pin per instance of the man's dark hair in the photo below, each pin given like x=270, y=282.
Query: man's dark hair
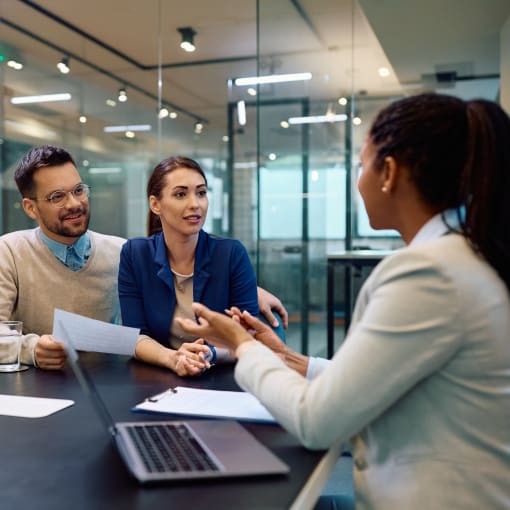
x=38, y=157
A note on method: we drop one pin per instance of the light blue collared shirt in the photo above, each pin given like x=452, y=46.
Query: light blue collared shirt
x=73, y=256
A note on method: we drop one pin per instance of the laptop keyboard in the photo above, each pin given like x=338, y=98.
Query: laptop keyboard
x=170, y=448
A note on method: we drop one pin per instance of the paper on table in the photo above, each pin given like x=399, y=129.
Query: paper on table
x=31, y=407
x=93, y=335
x=237, y=405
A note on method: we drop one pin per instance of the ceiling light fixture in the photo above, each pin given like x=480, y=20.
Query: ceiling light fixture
x=187, y=38
x=120, y=129
x=318, y=119
x=252, y=91
x=14, y=64
x=272, y=78
x=122, y=95
x=173, y=115
x=83, y=119
x=45, y=98
x=63, y=66
x=163, y=113
x=241, y=113
x=199, y=126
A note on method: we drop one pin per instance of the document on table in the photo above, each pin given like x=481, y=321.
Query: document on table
x=236, y=405
x=86, y=334
x=31, y=407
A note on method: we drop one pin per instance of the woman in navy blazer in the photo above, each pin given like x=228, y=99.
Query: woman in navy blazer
x=161, y=275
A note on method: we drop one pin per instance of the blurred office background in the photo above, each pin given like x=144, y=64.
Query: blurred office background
x=281, y=156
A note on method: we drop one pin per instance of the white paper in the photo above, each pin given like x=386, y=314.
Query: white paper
x=86, y=334
x=237, y=405
x=31, y=407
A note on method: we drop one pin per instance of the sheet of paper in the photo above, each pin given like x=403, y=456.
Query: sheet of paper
x=92, y=335
x=31, y=407
x=237, y=405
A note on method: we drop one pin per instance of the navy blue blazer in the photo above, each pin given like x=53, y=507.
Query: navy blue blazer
x=223, y=277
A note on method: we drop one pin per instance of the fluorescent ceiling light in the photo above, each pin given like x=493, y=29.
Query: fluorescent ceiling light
x=241, y=113
x=121, y=129
x=318, y=119
x=245, y=164
x=46, y=98
x=272, y=78
x=31, y=128
x=104, y=170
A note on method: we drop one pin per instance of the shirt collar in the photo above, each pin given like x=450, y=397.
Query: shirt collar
x=81, y=247
x=437, y=226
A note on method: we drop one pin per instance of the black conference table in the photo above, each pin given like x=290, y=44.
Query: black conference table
x=67, y=460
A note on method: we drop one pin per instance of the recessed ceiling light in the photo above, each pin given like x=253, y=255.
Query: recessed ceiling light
x=383, y=72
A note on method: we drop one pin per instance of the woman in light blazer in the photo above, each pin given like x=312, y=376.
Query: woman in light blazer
x=421, y=383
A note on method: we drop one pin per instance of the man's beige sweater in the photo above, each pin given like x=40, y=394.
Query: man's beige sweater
x=33, y=283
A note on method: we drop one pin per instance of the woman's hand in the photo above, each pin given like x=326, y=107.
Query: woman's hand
x=216, y=327
x=190, y=358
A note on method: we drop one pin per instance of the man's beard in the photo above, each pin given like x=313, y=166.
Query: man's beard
x=60, y=229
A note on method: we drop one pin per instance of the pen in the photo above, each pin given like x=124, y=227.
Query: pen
x=159, y=396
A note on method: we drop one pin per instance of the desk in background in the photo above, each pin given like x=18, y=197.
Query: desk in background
x=350, y=260
x=67, y=460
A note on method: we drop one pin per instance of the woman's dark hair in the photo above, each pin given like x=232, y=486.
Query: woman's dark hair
x=38, y=157
x=157, y=182
x=458, y=156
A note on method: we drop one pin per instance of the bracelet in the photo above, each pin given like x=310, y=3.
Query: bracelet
x=213, y=356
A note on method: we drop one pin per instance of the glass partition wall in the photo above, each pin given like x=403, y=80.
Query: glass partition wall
x=281, y=156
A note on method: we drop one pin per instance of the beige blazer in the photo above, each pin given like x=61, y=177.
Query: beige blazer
x=421, y=383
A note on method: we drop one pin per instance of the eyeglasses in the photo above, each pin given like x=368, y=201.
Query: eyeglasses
x=58, y=197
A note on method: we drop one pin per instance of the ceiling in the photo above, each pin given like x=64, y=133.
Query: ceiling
x=343, y=43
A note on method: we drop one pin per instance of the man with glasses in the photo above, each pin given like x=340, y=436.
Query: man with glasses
x=61, y=263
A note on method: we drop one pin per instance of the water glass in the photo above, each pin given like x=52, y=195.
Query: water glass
x=10, y=345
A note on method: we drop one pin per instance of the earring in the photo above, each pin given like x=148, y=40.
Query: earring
x=384, y=189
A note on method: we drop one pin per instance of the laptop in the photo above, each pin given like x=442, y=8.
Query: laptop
x=155, y=451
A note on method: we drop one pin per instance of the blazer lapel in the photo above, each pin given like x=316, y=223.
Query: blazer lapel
x=202, y=259
x=161, y=260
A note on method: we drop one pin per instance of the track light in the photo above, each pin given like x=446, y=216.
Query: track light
x=163, y=113
x=198, y=127
x=15, y=64
x=187, y=36
x=122, y=95
x=63, y=65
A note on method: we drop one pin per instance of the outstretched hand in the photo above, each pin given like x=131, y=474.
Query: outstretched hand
x=258, y=329
x=215, y=327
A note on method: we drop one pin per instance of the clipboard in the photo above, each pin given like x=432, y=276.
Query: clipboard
x=232, y=405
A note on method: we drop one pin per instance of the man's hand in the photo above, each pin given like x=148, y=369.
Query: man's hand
x=269, y=302
x=49, y=354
